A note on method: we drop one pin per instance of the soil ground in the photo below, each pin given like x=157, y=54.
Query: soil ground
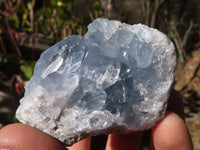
x=193, y=124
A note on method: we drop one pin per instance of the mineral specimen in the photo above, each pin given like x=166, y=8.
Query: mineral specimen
x=115, y=79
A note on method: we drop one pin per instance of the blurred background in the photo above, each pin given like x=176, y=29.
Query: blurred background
x=28, y=27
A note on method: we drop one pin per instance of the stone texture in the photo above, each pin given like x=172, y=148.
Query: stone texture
x=115, y=79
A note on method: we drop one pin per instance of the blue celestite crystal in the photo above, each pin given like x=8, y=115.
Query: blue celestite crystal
x=115, y=79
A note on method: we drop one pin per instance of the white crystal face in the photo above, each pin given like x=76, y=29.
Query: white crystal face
x=115, y=79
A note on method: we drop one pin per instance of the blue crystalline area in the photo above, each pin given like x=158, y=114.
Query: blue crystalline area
x=111, y=68
x=115, y=79
x=59, y=66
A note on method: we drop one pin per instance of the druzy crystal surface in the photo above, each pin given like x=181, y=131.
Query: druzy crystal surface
x=114, y=79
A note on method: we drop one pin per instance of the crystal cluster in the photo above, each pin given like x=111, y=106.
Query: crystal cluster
x=115, y=79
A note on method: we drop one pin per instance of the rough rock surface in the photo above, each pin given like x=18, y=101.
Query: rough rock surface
x=115, y=79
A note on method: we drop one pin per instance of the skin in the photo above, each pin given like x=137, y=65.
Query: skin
x=170, y=133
